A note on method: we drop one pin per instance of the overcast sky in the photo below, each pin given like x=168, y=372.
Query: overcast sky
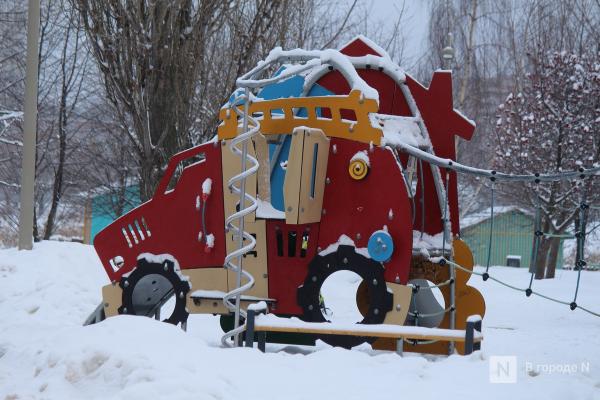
x=416, y=12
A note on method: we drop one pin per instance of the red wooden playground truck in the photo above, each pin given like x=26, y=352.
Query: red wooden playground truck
x=352, y=200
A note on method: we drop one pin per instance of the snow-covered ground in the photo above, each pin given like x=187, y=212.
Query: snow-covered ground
x=45, y=353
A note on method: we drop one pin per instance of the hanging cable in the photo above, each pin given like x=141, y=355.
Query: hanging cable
x=442, y=261
x=580, y=262
x=536, y=238
x=489, y=255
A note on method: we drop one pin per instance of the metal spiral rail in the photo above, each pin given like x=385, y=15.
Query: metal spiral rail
x=248, y=205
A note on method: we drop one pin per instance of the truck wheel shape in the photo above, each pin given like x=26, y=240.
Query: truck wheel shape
x=345, y=258
x=149, y=286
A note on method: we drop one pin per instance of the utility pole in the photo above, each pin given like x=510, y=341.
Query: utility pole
x=29, y=128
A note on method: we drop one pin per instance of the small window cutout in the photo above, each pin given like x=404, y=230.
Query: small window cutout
x=139, y=230
x=148, y=233
x=116, y=263
x=313, y=175
x=126, y=237
x=277, y=113
x=198, y=158
x=279, y=236
x=292, y=243
x=324, y=112
x=304, y=245
x=300, y=112
x=348, y=114
x=133, y=235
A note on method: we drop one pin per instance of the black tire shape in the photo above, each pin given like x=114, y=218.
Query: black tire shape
x=166, y=270
x=345, y=258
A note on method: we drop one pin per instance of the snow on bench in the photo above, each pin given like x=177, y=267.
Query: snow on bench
x=471, y=336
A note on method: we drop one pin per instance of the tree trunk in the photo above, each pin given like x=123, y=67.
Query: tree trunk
x=57, y=188
x=36, y=234
x=542, y=256
x=553, y=257
x=148, y=182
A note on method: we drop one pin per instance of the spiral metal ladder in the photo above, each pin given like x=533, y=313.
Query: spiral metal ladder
x=235, y=222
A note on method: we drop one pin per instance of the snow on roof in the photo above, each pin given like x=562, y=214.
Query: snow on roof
x=312, y=59
x=399, y=130
x=480, y=216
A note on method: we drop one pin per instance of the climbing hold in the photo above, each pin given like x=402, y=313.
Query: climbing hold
x=380, y=246
x=358, y=169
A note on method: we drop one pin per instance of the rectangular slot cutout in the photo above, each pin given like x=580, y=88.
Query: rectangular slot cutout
x=292, y=235
x=148, y=233
x=277, y=113
x=348, y=114
x=313, y=174
x=133, y=235
x=324, y=112
x=139, y=230
x=304, y=246
x=300, y=112
x=127, y=237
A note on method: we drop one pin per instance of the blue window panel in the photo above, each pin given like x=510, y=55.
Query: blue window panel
x=289, y=88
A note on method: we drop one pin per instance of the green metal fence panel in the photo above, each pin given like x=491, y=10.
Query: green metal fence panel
x=513, y=235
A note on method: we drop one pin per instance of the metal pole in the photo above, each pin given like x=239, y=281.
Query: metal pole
x=242, y=219
x=29, y=128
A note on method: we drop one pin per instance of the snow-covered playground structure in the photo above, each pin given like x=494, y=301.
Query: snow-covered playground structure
x=324, y=161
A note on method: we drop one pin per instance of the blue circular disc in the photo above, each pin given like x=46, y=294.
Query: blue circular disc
x=381, y=246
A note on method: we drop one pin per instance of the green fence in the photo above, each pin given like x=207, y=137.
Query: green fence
x=513, y=235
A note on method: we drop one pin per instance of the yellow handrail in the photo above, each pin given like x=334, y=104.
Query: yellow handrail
x=278, y=117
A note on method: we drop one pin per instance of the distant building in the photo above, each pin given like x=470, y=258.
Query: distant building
x=103, y=207
x=512, y=239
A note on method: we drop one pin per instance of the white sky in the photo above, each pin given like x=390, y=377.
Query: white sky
x=416, y=19
x=416, y=12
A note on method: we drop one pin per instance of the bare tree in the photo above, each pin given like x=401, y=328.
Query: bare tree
x=148, y=55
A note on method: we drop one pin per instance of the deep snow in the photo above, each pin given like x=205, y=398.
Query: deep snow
x=45, y=353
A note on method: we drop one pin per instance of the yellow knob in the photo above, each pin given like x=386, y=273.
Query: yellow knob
x=358, y=169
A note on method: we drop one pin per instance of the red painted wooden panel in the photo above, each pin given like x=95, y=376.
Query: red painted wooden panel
x=442, y=121
x=172, y=219
x=362, y=207
x=286, y=272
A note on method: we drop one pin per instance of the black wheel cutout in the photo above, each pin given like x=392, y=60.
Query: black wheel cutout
x=149, y=286
x=371, y=272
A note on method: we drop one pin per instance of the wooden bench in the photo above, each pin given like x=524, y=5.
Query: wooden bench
x=258, y=324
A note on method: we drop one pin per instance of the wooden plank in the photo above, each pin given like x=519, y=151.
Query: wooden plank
x=401, y=305
x=112, y=296
x=293, y=175
x=311, y=204
x=206, y=278
x=231, y=165
x=263, y=174
x=368, y=331
x=255, y=262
